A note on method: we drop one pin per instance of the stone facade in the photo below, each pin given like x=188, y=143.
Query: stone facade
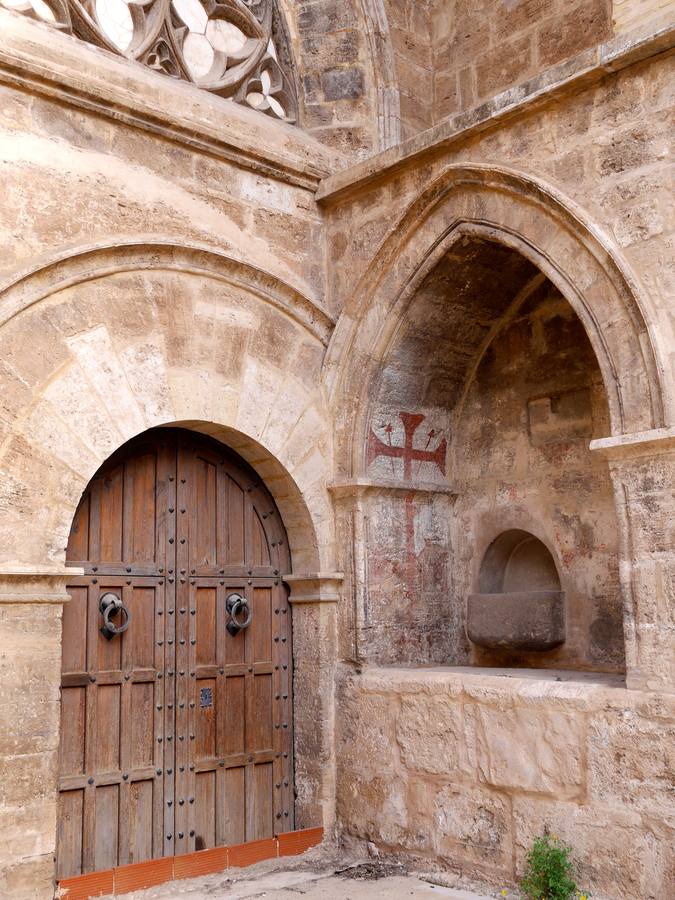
x=435, y=310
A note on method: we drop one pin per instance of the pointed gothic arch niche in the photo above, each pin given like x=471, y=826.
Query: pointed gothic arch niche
x=492, y=359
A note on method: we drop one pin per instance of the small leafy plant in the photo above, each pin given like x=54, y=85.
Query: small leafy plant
x=549, y=873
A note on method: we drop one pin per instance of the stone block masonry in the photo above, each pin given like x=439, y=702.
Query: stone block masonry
x=469, y=765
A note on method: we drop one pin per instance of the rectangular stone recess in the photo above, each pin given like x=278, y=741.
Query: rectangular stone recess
x=137, y=876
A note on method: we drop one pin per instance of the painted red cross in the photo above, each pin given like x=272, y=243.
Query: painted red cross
x=408, y=453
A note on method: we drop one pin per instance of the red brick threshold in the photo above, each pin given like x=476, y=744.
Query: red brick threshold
x=137, y=876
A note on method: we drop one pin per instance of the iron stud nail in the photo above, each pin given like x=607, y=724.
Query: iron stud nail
x=182, y=481
x=182, y=510
x=249, y=581
x=192, y=834
x=192, y=737
x=182, y=610
x=159, y=740
x=192, y=767
x=125, y=777
x=181, y=802
x=129, y=581
x=171, y=540
x=170, y=611
x=182, y=641
x=169, y=836
x=90, y=780
x=193, y=571
x=161, y=569
x=158, y=771
x=193, y=642
x=169, y=802
x=278, y=815
x=169, y=771
x=285, y=815
x=170, y=580
x=170, y=477
x=128, y=568
x=92, y=678
x=182, y=540
x=160, y=643
x=192, y=704
x=159, y=706
x=191, y=800
x=180, y=833
x=94, y=568
x=221, y=764
x=94, y=580
x=182, y=671
x=169, y=705
x=181, y=768
x=170, y=641
x=171, y=509
x=193, y=612
x=181, y=705
x=126, y=677
x=250, y=759
x=221, y=671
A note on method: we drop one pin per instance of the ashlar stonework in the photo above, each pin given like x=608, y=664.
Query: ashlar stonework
x=427, y=311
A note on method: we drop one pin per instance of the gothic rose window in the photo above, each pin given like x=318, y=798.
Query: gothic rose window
x=233, y=48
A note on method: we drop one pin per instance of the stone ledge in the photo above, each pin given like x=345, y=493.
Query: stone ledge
x=532, y=686
x=644, y=443
x=35, y=584
x=588, y=67
x=359, y=486
x=318, y=587
x=37, y=58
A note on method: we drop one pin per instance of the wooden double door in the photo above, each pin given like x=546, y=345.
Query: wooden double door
x=175, y=734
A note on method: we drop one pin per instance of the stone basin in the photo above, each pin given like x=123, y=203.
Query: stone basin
x=518, y=620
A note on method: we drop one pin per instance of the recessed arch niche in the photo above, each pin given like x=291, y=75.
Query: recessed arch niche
x=520, y=604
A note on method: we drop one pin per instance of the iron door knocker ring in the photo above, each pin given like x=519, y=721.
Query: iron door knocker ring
x=234, y=604
x=110, y=605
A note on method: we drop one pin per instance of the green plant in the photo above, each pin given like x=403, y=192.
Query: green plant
x=549, y=873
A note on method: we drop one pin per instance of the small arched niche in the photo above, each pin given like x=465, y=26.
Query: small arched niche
x=520, y=605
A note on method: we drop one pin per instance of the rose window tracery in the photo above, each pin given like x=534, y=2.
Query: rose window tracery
x=228, y=47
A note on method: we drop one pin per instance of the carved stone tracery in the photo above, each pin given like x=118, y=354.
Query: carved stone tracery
x=227, y=47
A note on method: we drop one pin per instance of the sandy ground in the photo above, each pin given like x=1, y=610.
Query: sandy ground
x=313, y=877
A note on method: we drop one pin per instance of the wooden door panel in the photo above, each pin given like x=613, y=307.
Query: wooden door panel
x=175, y=734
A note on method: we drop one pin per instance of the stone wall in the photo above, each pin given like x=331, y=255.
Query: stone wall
x=466, y=768
x=481, y=48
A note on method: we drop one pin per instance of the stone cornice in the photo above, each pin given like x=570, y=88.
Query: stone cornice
x=575, y=74
x=358, y=487
x=317, y=587
x=37, y=58
x=35, y=584
x=645, y=443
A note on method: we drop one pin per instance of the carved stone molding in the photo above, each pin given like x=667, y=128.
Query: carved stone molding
x=319, y=587
x=232, y=48
x=35, y=584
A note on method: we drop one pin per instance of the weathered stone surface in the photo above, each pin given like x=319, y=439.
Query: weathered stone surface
x=428, y=731
x=499, y=282
x=527, y=749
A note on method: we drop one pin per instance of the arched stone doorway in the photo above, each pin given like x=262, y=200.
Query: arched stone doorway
x=176, y=734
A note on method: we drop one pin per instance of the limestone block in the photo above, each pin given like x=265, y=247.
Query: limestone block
x=28, y=879
x=531, y=749
x=615, y=852
x=366, y=739
x=429, y=734
x=631, y=761
x=472, y=828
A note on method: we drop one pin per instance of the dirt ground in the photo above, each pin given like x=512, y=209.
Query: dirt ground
x=315, y=877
